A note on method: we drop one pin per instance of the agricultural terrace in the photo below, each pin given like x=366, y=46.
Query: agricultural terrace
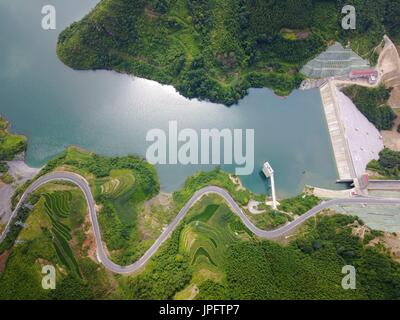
x=211, y=256
x=58, y=207
x=210, y=228
x=120, y=186
x=123, y=186
x=54, y=233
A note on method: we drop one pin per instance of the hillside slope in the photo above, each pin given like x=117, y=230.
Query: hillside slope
x=217, y=49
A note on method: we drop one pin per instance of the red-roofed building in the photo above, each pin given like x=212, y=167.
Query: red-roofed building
x=368, y=74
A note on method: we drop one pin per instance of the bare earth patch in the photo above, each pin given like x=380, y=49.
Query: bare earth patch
x=391, y=242
x=373, y=175
x=360, y=231
x=394, y=100
x=236, y=180
x=156, y=214
x=89, y=245
x=3, y=260
x=391, y=138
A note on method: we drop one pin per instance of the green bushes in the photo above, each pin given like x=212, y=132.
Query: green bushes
x=282, y=83
x=7, y=178
x=121, y=185
x=101, y=167
x=3, y=167
x=166, y=275
x=378, y=276
x=212, y=178
x=271, y=219
x=309, y=268
x=388, y=164
x=14, y=230
x=71, y=288
x=111, y=228
x=10, y=145
x=299, y=205
x=372, y=104
x=22, y=277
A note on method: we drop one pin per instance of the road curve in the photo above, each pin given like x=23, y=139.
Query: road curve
x=102, y=256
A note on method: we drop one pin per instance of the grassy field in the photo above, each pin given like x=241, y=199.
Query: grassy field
x=270, y=219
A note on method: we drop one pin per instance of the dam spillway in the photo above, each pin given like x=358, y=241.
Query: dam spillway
x=355, y=141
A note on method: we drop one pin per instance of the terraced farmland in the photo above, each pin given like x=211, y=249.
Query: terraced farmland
x=117, y=184
x=58, y=207
x=210, y=230
x=208, y=234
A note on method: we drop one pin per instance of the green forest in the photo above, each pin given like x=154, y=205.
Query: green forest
x=388, y=164
x=373, y=105
x=211, y=255
x=217, y=50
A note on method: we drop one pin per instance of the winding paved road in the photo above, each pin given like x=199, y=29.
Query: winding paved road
x=108, y=264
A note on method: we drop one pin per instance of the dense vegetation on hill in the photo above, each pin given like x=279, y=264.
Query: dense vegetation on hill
x=217, y=49
x=299, y=205
x=372, y=103
x=10, y=145
x=388, y=164
x=211, y=255
x=216, y=177
x=55, y=235
x=120, y=185
x=218, y=259
x=310, y=268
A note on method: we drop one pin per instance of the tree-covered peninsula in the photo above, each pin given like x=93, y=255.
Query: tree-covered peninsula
x=217, y=49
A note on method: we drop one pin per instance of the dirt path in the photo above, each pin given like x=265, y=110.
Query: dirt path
x=21, y=173
x=391, y=138
x=389, y=67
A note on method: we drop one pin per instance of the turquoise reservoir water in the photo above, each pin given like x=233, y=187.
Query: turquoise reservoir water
x=110, y=113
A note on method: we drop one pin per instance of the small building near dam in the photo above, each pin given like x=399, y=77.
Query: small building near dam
x=371, y=75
